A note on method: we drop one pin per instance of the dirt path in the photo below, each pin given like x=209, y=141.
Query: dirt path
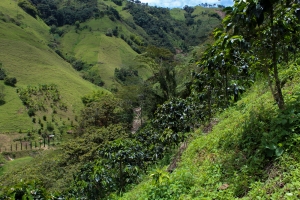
x=221, y=13
x=137, y=121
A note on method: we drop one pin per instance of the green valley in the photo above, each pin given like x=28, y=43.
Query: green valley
x=116, y=99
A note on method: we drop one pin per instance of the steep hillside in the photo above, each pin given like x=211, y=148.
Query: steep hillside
x=101, y=39
x=119, y=32
x=24, y=54
x=104, y=53
x=250, y=151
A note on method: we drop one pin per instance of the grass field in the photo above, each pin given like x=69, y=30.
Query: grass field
x=14, y=164
x=25, y=55
x=177, y=14
x=105, y=53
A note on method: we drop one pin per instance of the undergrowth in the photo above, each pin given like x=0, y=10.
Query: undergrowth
x=252, y=153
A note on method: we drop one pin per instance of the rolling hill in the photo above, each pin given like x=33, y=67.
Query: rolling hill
x=34, y=55
x=24, y=54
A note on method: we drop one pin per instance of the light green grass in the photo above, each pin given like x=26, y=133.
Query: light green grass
x=25, y=55
x=14, y=164
x=177, y=14
x=105, y=53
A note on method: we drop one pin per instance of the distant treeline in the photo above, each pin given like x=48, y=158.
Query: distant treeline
x=161, y=28
x=59, y=13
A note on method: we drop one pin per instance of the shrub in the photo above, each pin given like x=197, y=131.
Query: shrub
x=115, y=31
x=31, y=112
x=11, y=81
x=109, y=32
x=118, y=2
x=2, y=95
x=28, y=7
x=50, y=126
x=2, y=73
x=78, y=65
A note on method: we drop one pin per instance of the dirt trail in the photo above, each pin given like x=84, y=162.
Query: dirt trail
x=137, y=121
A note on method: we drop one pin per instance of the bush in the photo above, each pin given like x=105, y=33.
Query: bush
x=31, y=112
x=2, y=95
x=115, y=31
x=78, y=65
x=118, y=2
x=11, y=81
x=50, y=126
x=109, y=32
x=28, y=8
x=2, y=73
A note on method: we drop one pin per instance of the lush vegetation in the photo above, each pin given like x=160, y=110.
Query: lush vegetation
x=237, y=116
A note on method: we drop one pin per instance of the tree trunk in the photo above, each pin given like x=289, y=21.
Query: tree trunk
x=278, y=96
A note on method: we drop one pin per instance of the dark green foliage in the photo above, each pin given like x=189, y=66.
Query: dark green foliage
x=94, y=97
x=50, y=126
x=109, y=32
x=115, y=31
x=2, y=95
x=93, y=76
x=126, y=159
x=104, y=111
x=118, y=2
x=2, y=72
x=77, y=25
x=78, y=65
x=60, y=53
x=26, y=190
x=151, y=25
x=161, y=27
x=28, y=7
x=53, y=14
x=175, y=114
x=123, y=73
x=55, y=30
x=188, y=9
x=11, y=81
x=31, y=112
x=284, y=130
x=215, y=15
x=224, y=74
x=111, y=12
x=272, y=41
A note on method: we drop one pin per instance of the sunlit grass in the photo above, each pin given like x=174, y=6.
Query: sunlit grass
x=25, y=55
x=15, y=164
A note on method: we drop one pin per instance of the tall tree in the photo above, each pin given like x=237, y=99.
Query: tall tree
x=272, y=29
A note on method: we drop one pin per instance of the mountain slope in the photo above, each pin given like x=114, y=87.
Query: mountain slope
x=25, y=55
x=252, y=152
x=30, y=53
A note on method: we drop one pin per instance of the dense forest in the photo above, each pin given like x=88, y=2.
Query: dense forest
x=217, y=117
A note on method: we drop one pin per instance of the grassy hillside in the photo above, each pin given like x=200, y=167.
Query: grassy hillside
x=236, y=159
x=25, y=55
x=90, y=44
x=103, y=52
x=15, y=164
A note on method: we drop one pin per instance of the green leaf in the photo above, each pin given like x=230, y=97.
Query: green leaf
x=279, y=151
x=271, y=146
x=283, y=121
